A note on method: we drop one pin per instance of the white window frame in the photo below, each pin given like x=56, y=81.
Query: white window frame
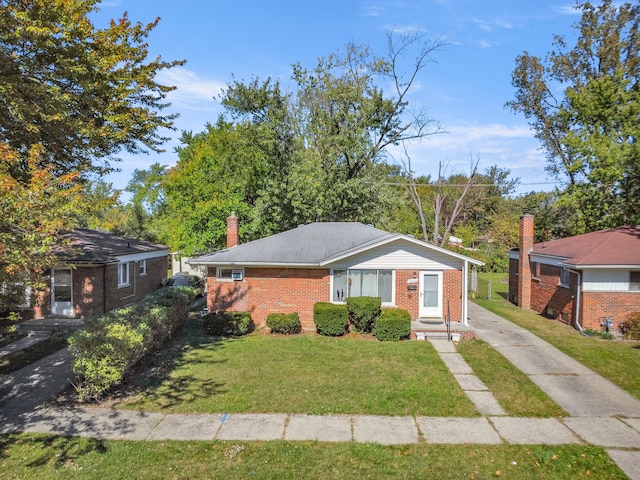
x=226, y=274
x=377, y=270
x=143, y=267
x=564, y=282
x=123, y=274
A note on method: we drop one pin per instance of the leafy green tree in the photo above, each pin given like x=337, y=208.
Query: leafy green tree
x=72, y=96
x=203, y=189
x=31, y=215
x=81, y=92
x=590, y=130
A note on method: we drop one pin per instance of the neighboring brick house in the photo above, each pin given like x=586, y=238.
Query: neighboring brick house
x=328, y=262
x=104, y=273
x=584, y=280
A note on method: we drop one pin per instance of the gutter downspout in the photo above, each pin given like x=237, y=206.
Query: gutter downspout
x=577, y=300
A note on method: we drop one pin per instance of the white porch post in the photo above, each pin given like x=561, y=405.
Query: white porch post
x=465, y=291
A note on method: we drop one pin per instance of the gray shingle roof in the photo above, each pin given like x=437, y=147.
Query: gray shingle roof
x=315, y=244
x=307, y=245
x=94, y=246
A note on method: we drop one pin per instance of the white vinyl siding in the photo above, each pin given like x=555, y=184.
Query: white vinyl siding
x=400, y=256
x=606, y=280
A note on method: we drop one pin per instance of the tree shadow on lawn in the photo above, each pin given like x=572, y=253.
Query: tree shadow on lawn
x=155, y=369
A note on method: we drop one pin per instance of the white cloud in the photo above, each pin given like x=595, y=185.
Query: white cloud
x=193, y=92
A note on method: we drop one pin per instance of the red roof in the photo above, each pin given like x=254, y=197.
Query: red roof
x=616, y=246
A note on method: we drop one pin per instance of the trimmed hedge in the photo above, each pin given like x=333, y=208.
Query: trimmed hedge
x=284, y=323
x=363, y=312
x=330, y=319
x=228, y=324
x=113, y=343
x=393, y=325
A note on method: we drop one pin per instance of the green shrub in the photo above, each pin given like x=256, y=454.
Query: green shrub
x=630, y=327
x=330, y=319
x=113, y=343
x=363, y=312
x=393, y=325
x=284, y=323
x=228, y=324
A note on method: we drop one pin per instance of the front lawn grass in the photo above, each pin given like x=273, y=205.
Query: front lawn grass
x=616, y=360
x=517, y=395
x=306, y=374
x=52, y=457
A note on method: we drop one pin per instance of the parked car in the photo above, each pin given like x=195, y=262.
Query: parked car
x=186, y=280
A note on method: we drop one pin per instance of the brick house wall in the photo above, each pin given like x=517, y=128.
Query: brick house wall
x=95, y=288
x=287, y=290
x=595, y=305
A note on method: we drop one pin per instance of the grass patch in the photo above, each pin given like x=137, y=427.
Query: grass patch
x=52, y=457
x=303, y=374
x=16, y=360
x=616, y=360
x=501, y=376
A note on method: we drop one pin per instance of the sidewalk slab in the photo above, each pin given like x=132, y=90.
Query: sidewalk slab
x=123, y=425
x=457, y=430
x=527, y=431
x=604, y=432
x=485, y=402
x=456, y=364
x=23, y=343
x=443, y=346
x=470, y=382
x=385, y=430
x=252, y=426
x=321, y=428
x=628, y=461
x=186, y=427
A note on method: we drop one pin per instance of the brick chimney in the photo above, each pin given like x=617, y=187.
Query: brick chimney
x=233, y=237
x=524, y=266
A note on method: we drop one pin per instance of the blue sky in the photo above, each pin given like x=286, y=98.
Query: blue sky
x=465, y=89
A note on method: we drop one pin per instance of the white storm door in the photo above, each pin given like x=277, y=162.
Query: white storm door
x=430, y=294
x=61, y=292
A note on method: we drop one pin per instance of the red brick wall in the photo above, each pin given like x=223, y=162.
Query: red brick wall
x=287, y=290
x=551, y=299
x=524, y=271
x=618, y=305
x=271, y=290
x=90, y=298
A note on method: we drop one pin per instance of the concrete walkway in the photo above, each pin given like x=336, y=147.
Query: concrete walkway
x=600, y=413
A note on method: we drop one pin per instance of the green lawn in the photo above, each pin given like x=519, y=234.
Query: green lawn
x=50, y=457
x=307, y=374
x=617, y=360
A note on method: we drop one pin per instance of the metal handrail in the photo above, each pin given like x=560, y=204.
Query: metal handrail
x=448, y=321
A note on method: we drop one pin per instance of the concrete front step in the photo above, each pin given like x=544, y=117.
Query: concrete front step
x=455, y=336
x=47, y=325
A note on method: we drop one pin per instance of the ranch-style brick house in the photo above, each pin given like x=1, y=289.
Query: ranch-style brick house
x=328, y=262
x=105, y=272
x=590, y=281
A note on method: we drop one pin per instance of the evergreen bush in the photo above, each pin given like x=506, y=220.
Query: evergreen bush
x=363, y=312
x=284, y=323
x=330, y=319
x=228, y=324
x=393, y=325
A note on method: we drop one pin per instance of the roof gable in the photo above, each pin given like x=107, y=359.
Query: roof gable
x=315, y=244
x=615, y=246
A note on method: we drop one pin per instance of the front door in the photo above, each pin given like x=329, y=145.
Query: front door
x=430, y=295
x=61, y=292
